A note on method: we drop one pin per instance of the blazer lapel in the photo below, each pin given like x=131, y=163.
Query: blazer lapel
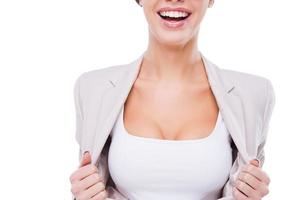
x=112, y=102
x=230, y=105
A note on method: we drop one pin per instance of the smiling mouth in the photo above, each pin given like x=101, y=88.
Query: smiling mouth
x=169, y=18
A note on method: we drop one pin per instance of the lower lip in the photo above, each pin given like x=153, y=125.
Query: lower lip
x=173, y=24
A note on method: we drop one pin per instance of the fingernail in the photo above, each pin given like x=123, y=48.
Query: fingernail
x=257, y=161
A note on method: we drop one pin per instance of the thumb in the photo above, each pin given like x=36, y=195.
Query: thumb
x=255, y=162
x=86, y=159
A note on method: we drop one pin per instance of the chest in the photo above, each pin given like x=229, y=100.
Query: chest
x=170, y=112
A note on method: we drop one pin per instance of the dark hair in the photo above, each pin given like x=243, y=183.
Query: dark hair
x=138, y=1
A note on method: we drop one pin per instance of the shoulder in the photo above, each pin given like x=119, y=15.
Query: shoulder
x=256, y=84
x=101, y=75
x=252, y=88
x=247, y=80
x=246, y=85
x=99, y=78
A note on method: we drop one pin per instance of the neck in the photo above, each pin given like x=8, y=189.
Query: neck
x=166, y=62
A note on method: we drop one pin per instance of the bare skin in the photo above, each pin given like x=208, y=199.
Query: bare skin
x=171, y=98
x=86, y=182
x=171, y=109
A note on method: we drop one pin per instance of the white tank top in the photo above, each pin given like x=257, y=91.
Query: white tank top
x=157, y=169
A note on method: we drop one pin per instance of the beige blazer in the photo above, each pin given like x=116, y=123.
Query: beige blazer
x=245, y=101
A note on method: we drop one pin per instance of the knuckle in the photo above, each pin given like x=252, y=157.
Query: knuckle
x=235, y=192
x=96, y=177
x=260, y=188
x=90, y=168
x=97, y=187
x=81, y=196
x=101, y=185
x=251, y=192
x=244, y=167
x=247, y=176
x=236, y=183
x=242, y=187
x=266, y=191
x=103, y=194
x=72, y=177
x=263, y=190
x=75, y=189
x=94, y=168
x=98, y=197
x=243, y=176
x=239, y=184
x=84, y=195
x=240, y=176
x=249, y=168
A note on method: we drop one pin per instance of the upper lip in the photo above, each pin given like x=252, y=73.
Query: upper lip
x=175, y=9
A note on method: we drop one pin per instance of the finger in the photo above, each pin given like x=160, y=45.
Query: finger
x=83, y=172
x=249, y=179
x=90, y=180
x=257, y=173
x=246, y=189
x=239, y=195
x=255, y=162
x=263, y=190
x=101, y=195
x=86, y=159
x=92, y=191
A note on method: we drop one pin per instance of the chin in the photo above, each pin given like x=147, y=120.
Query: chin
x=174, y=42
x=173, y=39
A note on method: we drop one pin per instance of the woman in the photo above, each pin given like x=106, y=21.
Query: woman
x=171, y=124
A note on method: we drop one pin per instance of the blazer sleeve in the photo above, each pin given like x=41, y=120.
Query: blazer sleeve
x=79, y=116
x=269, y=106
x=79, y=112
x=270, y=103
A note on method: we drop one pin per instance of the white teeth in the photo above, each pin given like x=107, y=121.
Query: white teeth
x=173, y=14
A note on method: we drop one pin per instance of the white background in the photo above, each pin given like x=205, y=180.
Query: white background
x=46, y=45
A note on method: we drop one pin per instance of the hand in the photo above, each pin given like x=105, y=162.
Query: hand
x=86, y=181
x=252, y=182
